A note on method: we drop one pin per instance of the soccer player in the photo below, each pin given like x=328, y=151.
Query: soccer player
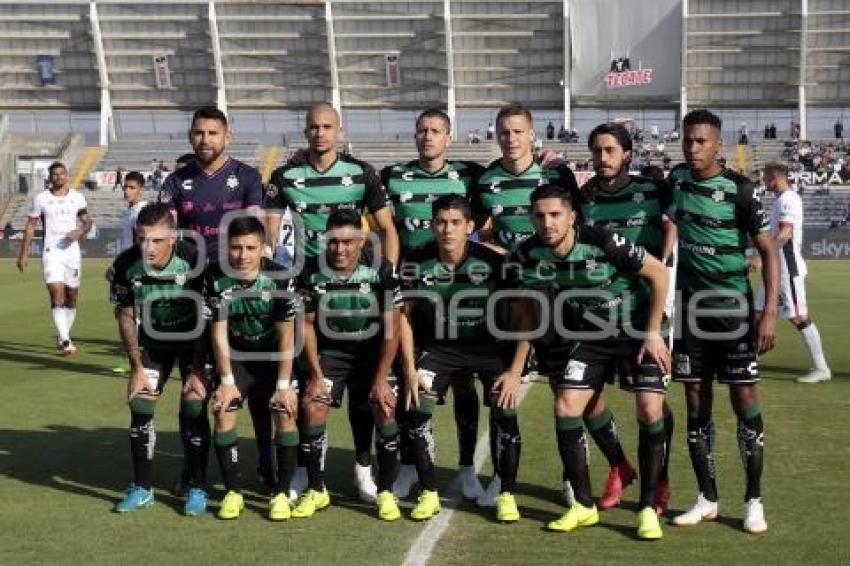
x=450, y=280
x=253, y=330
x=502, y=196
x=312, y=187
x=352, y=303
x=65, y=220
x=633, y=207
x=134, y=188
x=158, y=282
x=503, y=190
x=786, y=227
x=716, y=212
x=200, y=194
x=412, y=188
x=604, y=321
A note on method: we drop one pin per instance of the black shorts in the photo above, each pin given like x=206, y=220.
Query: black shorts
x=591, y=364
x=159, y=362
x=255, y=378
x=354, y=375
x=731, y=359
x=440, y=365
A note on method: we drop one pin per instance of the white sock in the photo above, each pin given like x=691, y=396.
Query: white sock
x=811, y=337
x=70, y=315
x=60, y=321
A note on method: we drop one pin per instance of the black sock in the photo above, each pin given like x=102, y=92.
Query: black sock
x=701, y=448
x=466, y=409
x=572, y=446
x=386, y=445
x=650, y=460
x=405, y=439
x=195, y=425
x=286, y=447
x=261, y=418
x=142, y=442
x=751, y=444
x=504, y=421
x=313, y=442
x=227, y=453
x=603, y=430
x=360, y=418
x=421, y=438
x=669, y=426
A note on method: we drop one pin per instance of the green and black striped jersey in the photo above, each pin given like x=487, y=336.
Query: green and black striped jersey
x=506, y=198
x=312, y=195
x=597, y=277
x=412, y=190
x=450, y=302
x=634, y=208
x=348, y=310
x=251, y=309
x=167, y=300
x=715, y=217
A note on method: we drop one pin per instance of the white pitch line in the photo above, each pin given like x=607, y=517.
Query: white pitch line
x=421, y=549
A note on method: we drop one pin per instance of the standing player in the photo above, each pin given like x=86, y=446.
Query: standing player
x=634, y=208
x=451, y=280
x=786, y=227
x=65, y=220
x=412, y=188
x=253, y=330
x=200, y=194
x=352, y=303
x=134, y=189
x=158, y=283
x=312, y=188
x=608, y=324
x=716, y=212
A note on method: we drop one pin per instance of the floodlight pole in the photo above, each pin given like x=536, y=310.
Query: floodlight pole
x=801, y=89
x=336, y=100
x=683, y=91
x=568, y=55
x=221, y=94
x=107, y=123
x=451, y=102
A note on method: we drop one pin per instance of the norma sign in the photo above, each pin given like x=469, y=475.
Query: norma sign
x=162, y=74
x=393, y=78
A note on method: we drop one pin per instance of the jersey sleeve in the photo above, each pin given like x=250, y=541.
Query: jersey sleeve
x=665, y=197
x=36, y=208
x=253, y=195
x=212, y=294
x=120, y=289
x=749, y=212
x=284, y=308
x=376, y=195
x=274, y=196
x=789, y=208
x=170, y=193
x=622, y=253
x=390, y=288
x=305, y=291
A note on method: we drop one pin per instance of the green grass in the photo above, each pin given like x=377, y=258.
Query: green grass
x=64, y=460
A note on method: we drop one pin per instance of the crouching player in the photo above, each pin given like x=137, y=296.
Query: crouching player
x=253, y=333
x=615, y=327
x=158, y=282
x=352, y=305
x=448, y=282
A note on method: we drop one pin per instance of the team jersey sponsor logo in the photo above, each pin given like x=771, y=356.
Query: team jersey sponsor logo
x=494, y=186
x=298, y=183
x=638, y=198
x=347, y=181
x=232, y=182
x=407, y=176
x=697, y=248
x=187, y=185
x=365, y=287
x=454, y=175
x=718, y=195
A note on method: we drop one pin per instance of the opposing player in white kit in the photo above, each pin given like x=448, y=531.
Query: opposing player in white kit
x=134, y=188
x=786, y=227
x=65, y=219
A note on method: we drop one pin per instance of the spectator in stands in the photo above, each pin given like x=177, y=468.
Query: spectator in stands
x=838, y=129
x=743, y=138
x=767, y=131
x=795, y=130
x=491, y=131
x=470, y=136
x=562, y=134
x=119, y=178
x=654, y=131
x=550, y=131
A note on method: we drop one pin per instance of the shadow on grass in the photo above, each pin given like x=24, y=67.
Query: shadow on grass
x=45, y=358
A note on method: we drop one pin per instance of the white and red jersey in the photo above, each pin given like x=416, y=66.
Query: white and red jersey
x=59, y=215
x=128, y=224
x=788, y=209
